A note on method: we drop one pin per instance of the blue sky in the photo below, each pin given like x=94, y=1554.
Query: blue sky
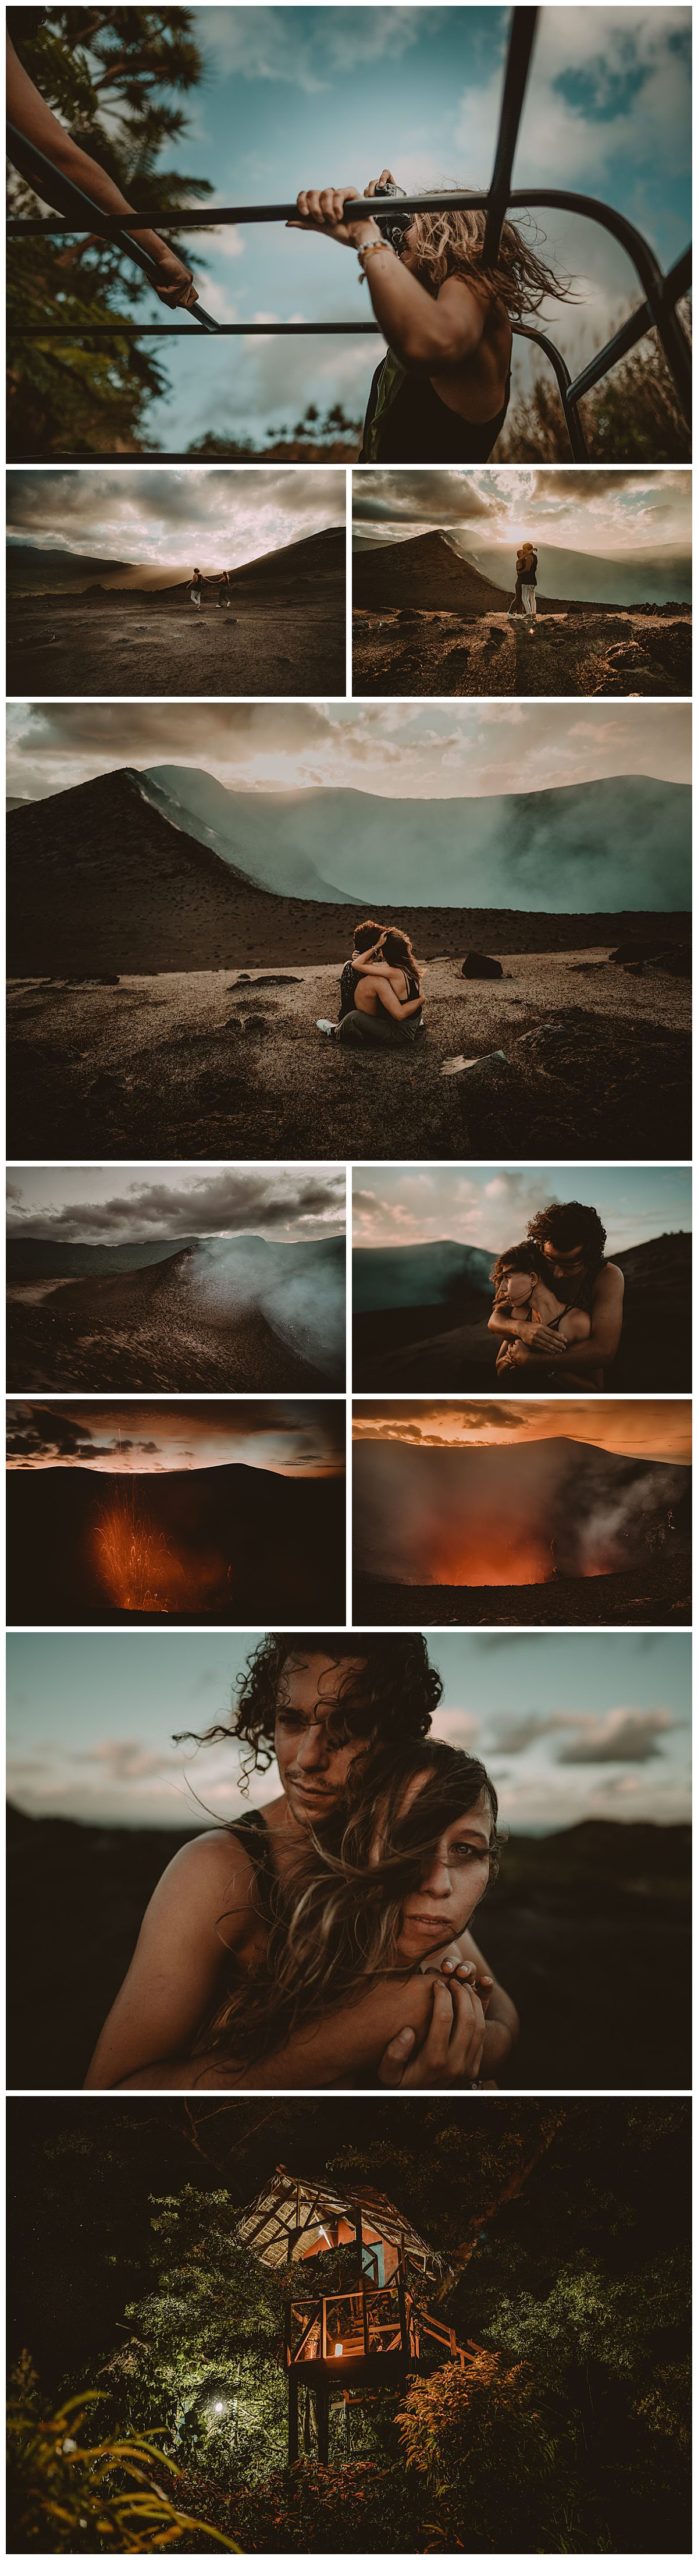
x=490, y=1205
x=571, y=1725
x=302, y=96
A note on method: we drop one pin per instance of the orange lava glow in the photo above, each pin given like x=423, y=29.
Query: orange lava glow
x=526, y=1559
x=512, y=1562
x=139, y=1570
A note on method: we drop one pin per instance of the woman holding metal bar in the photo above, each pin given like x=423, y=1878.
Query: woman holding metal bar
x=442, y=391
x=28, y=112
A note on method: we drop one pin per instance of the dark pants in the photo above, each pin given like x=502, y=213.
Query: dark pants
x=378, y=1031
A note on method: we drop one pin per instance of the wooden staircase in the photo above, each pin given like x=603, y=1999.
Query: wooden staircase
x=428, y=2327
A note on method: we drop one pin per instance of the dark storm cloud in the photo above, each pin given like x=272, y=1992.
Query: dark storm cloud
x=31, y=1433
x=224, y=1202
x=147, y=515
x=142, y=733
x=35, y=1436
x=417, y=497
x=293, y=1434
x=469, y=1417
x=460, y=497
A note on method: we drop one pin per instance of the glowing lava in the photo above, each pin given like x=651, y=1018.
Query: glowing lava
x=141, y=1572
x=493, y=1565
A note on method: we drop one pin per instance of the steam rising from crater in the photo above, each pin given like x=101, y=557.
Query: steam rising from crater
x=510, y=1516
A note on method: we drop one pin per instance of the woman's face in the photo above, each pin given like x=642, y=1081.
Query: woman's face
x=519, y=1285
x=454, y=1877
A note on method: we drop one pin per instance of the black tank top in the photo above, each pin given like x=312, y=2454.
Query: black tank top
x=407, y=422
x=252, y=1831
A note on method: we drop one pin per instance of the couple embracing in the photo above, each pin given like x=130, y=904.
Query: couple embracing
x=381, y=992
x=324, y=1941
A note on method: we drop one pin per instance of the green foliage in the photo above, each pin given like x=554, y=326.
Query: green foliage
x=204, y=2350
x=64, y=2479
x=479, y=2441
x=634, y=415
x=112, y=77
x=589, y=2318
x=359, y=2505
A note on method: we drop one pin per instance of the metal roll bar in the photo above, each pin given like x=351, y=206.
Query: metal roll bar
x=658, y=309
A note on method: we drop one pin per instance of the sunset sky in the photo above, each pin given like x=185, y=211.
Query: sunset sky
x=300, y=96
x=101, y=1204
x=607, y=512
x=291, y=1438
x=573, y=1727
x=172, y=519
x=408, y=750
x=659, y=1428
x=490, y=1205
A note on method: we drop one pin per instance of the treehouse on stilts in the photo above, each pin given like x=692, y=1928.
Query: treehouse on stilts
x=348, y=2345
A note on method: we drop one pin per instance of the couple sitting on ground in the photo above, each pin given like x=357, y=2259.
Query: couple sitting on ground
x=325, y=1940
x=558, y=1303
x=381, y=999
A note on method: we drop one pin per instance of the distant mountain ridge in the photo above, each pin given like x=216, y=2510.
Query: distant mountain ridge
x=433, y=570
x=34, y=571
x=238, y=825
x=100, y=881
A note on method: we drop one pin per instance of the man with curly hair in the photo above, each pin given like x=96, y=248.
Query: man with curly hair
x=326, y=1711
x=572, y=1240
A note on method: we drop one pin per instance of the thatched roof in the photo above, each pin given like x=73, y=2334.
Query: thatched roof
x=291, y=2208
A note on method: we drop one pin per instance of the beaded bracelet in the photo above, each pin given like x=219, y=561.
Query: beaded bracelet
x=371, y=249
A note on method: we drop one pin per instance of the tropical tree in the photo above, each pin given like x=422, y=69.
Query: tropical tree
x=114, y=79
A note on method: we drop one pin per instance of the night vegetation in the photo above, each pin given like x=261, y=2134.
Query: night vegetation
x=563, y=2229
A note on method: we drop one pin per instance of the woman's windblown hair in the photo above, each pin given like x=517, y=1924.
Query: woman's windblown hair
x=451, y=244
x=520, y=1257
x=398, y=950
x=338, y=1912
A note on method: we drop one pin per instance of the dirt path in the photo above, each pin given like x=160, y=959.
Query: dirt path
x=406, y=650
x=194, y=1065
x=138, y=645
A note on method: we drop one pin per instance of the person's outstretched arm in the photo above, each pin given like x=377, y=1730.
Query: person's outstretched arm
x=424, y=332
x=28, y=111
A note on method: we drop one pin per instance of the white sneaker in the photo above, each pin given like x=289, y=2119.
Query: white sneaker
x=329, y=1028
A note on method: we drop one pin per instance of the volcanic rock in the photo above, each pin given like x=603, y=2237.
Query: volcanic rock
x=479, y=964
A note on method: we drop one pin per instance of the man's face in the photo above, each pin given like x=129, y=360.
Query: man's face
x=313, y=1764
x=564, y=1266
